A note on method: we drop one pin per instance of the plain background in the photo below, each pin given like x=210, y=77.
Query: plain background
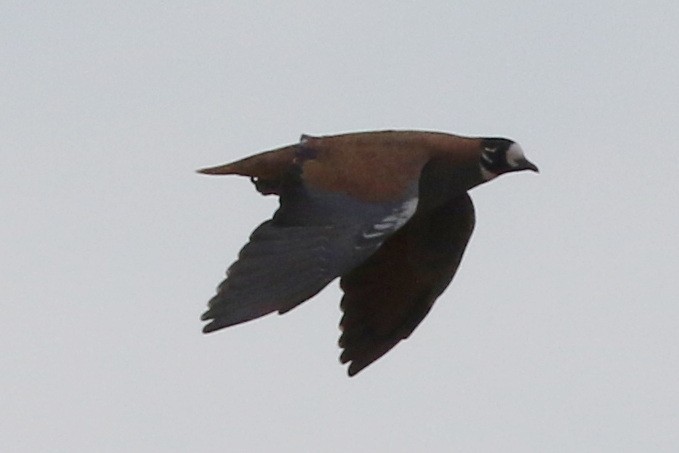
x=559, y=333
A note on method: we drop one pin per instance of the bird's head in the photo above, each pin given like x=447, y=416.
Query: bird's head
x=500, y=155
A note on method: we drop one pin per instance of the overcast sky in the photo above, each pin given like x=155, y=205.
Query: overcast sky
x=560, y=332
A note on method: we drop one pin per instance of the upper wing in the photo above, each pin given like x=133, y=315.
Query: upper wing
x=388, y=295
x=314, y=237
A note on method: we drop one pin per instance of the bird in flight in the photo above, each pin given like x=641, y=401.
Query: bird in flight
x=387, y=212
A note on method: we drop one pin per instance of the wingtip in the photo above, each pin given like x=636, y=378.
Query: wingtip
x=213, y=323
x=354, y=367
x=212, y=327
x=354, y=370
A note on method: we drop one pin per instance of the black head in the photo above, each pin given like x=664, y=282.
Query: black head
x=500, y=155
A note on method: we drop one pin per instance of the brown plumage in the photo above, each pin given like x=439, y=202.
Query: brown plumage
x=387, y=211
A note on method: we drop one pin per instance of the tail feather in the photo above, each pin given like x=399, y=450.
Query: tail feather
x=269, y=165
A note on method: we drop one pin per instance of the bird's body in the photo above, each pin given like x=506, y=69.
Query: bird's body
x=386, y=211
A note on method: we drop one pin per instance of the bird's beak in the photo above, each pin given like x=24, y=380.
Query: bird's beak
x=525, y=164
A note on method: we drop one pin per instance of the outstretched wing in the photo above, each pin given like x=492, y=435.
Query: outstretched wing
x=388, y=295
x=314, y=237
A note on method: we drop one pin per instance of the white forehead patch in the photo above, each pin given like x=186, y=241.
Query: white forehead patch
x=515, y=155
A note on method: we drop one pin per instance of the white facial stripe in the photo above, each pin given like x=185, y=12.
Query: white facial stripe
x=487, y=175
x=515, y=155
x=487, y=158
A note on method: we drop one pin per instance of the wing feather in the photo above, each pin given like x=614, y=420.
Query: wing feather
x=313, y=238
x=388, y=295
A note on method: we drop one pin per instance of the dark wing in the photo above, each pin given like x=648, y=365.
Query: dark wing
x=388, y=295
x=314, y=237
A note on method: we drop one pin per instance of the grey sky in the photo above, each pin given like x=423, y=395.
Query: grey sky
x=559, y=333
